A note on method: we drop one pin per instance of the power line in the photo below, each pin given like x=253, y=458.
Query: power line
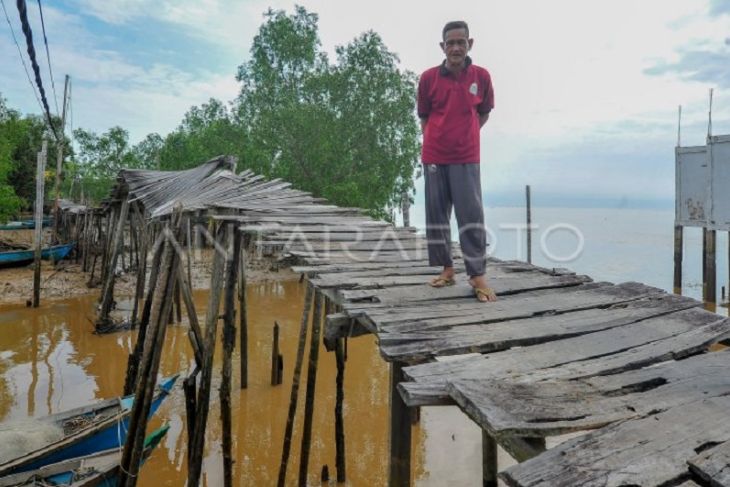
x=48, y=58
x=22, y=59
x=23, y=12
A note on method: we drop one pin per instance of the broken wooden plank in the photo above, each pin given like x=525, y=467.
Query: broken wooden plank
x=649, y=451
x=713, y=465
x=610, y=351
x=418, y=346
x=524, y=305
x=508, y=408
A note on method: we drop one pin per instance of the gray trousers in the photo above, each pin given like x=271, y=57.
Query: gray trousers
x=457, y=186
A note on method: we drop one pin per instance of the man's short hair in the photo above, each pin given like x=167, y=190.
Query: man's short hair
x=456, y=24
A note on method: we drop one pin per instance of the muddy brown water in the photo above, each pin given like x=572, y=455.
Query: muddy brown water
x=50, y=361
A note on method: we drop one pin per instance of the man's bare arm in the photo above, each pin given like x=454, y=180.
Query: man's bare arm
x=423, y=124
x=483, y=119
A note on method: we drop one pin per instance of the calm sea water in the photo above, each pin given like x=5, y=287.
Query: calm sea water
x=615, y=245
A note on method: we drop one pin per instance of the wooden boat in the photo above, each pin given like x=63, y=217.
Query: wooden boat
x=98, y=470
x=24, y=224
x=17, y=258
x=86, y=430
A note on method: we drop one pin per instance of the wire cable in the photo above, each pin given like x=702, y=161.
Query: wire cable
x=22, y=59
x=23, y=12
x=48, y=58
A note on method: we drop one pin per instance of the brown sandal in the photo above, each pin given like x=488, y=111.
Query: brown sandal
x=442, y=282
x=486, y=292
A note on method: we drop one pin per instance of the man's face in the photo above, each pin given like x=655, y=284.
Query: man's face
x=456, y=45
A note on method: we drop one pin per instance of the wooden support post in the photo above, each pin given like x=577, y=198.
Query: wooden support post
x=314, y=345
x=275, y=357
x=339, y=419
x=529, y=224
x=678, y=251
x=134, y=359
x=39, y=189
x=243, y=318
x=295, y=387
x=107, y=293
x=709, y=276
x=151, y=355
x=489, y=460
x=195, y=334
x=400, y=432
x=178, y=306
x=190, y=406
x=197, y=444
x=142, y=263
x=229, y=342
x=106, y=242
x=405, y=210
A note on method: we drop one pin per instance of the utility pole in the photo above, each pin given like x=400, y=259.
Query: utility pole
x=59, y=163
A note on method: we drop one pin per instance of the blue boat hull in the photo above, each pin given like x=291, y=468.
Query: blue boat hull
x=17, y=258
x=113, y=435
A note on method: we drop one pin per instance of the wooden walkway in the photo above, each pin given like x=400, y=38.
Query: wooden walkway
x=557, y=353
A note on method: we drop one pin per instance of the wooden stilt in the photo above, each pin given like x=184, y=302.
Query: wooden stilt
x=489, y=460
x=678, y=251
x=339, y=418
x=107, y=293
x=134, y=359
x=190, y=406
x=229, y=341
x=400, y=432
x=129, y=466
x=709, y=277
x=203, y=397
x=529, y=223
x=314, y=345
x=195, y=333
x=142, y=264
x=275, y=357
x=38, y=239
x=243, y=318
x=295, y=387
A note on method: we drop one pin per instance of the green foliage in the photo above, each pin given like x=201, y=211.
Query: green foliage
x=99, y=160
x=21, y=139
x=345, y=131
x=205, y=132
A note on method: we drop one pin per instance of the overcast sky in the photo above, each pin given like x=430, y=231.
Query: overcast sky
x=586, y=91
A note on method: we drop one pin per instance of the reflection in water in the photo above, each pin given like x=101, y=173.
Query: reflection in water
x=50, y=361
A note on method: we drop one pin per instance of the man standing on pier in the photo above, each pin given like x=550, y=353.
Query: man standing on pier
x=454, y=102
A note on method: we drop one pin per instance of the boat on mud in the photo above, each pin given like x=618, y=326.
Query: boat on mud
x=18, y=258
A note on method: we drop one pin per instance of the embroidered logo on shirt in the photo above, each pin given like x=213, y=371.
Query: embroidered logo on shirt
x=473, y=89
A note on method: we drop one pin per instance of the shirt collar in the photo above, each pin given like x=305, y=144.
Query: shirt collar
x=444, y=71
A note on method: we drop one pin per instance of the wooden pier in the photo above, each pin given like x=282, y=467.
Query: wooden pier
x=558, y=353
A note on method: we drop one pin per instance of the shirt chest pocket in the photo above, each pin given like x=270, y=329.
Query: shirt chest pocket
x=456, y=97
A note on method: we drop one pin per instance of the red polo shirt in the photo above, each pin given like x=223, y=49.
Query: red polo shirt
x=452, y=104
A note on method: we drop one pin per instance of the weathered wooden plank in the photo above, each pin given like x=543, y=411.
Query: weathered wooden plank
x=393, y=290
x=524, y=305
x=360, y=256
x=713, y=465
x=418, y=346
x=614, y=349
x=334, y=246
x=549, y=408
x=649, y=451
x=294, y=236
